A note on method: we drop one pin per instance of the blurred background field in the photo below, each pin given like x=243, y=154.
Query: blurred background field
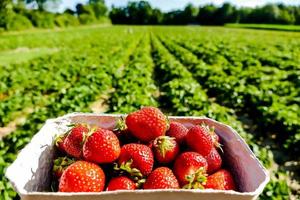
x=279, y=27
x=215, y=62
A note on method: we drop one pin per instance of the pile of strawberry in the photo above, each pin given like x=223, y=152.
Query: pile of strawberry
x=144, y=152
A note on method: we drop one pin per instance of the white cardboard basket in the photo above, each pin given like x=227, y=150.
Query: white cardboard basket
x=30, y=174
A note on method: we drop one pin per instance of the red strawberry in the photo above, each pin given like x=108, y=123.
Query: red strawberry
x=214, y=135
x=165, y=149
x=120, y=183
x=136, y=159
x=178, y=131
x=147, y=124
x=200, y=140
x=82, y=176
x=161, y=178
x=221, y=180
x=60, y=164
x=123, y=133
x=214, y=161
x=102, y=146
x=190, y=170
x=74, y=140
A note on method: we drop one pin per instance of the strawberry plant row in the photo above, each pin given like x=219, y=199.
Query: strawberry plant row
x=183, y=92
x=248, y=97
x=32, y=83
x=93, y=77
x=133, y=84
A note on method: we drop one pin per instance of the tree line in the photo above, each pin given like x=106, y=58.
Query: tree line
x=143, y=13
x=15, y=14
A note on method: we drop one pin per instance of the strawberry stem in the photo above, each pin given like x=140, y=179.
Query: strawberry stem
x=121, y=125
x=134, y=173
x=164, y=144
x=168, y=122
x=196, y=180
x=211, y=131
x=58, y=139
x=62, y=163
x=126, y=167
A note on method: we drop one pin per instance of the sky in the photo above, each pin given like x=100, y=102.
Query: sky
x=167, y=5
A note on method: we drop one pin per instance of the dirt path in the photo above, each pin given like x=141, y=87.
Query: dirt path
x=12, y=126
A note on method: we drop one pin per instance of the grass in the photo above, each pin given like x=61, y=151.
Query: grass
x=20, y=55
x=279, y=27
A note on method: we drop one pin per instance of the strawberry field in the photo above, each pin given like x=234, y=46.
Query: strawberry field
x=247, y=79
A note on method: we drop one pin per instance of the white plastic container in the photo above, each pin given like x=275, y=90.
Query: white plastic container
x=30, y=174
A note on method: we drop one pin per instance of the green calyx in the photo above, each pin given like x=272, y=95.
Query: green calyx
x=168, y=122
x=121, y=125
x=164, y=144
x=196, y=180
x=62, y=163
x=134, y=173
x=58, y=139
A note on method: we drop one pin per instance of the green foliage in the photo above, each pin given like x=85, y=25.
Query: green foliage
x=18, y=22
x=295, y=28
x=68, y=81
x=244, y=78
x=42, y=19
x=99, y=9
x=277, y=188
x=15, y=16
x=141, y=12
x=86, y=19
x=66, y=20
x=6, y=13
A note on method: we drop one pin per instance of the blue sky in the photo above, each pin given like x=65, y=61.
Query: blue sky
x=167, y=5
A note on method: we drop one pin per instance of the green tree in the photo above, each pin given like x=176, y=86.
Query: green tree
x=96, y=1
x=226, y=14
x=189, y=14
x=207, y=14
x=156, y=17
x=118, y=15
x=286, y=17
x=6, y=12
x=98, y=7
x=139, y=12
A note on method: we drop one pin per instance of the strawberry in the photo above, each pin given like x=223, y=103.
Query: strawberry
x=82, y=176
x=215, y=138
x=221, y=180
x=178, y=131
x=60, y=164
x=123, y=133
x=200, y=140
x=214, y=161
x=161, y=178
x=190, y=170
x=165, y=149
x=74, y=140
x=120, y=183
x=147, y=123
x=102, y=146
x=136, y=159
